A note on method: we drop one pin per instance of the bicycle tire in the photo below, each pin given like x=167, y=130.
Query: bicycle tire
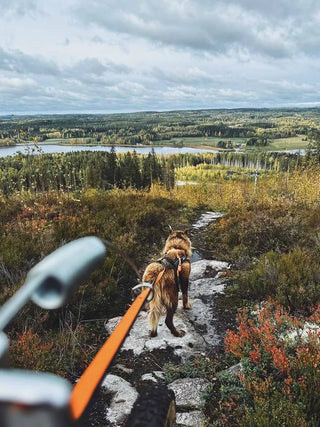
x=154, y=407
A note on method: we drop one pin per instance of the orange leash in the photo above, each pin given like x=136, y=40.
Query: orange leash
x=92, y=376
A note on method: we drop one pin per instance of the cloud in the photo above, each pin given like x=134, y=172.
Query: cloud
x=94, y=67
x=17, y=84
x=18, y=8
x=97, y=39
x=278, y=10
x=21, y=63
x=275, y=28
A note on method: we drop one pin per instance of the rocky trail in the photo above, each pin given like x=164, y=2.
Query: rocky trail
x=141, y=359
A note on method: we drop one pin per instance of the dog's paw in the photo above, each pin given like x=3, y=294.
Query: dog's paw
x=187, y=306
x=179, y=333
x=153, y=334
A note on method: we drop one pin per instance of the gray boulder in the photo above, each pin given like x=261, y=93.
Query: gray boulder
x=192, y=419
x=189, y=392
x=123, y=398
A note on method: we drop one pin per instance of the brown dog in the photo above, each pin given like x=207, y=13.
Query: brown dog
x=176, y=267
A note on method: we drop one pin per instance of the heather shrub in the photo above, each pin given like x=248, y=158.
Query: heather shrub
x=278, y=411
x=29, y=351
x=66, y=352
x=280, y=358
x=292, y=278
x=256, y=229
x=199, y=367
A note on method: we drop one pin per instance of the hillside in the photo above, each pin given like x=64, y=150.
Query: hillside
x=268, y=235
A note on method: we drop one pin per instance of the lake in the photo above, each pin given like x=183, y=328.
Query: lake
x=57, y=148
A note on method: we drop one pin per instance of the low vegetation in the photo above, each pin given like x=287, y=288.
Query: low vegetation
x=272, y=240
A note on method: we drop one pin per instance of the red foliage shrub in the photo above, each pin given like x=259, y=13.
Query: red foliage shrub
x=280, y=356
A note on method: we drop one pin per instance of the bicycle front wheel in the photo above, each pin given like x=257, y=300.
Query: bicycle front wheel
x=155, y=407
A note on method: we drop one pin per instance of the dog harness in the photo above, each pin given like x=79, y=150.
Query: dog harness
x=175, y=265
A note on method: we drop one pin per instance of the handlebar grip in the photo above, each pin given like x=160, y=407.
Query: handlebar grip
x=29, y=399
x=62, y=271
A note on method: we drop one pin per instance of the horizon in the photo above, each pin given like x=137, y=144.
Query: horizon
x=283, y=108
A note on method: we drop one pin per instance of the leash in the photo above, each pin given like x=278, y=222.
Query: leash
x=92, y=376
x=94, y=373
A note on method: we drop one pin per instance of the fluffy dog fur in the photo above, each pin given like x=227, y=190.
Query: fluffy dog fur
x=165, y=291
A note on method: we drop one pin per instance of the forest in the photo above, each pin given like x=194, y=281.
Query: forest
x=270, y=233
x=225, y=129
x=80, y=170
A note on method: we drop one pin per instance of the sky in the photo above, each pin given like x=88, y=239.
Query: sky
x=105, y=56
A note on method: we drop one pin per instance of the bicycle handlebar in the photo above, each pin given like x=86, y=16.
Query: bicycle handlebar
x=62, y=271
x=30, y=399
x=51, y=282
x=35, y=398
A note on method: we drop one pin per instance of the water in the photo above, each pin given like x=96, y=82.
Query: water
x=56, y=148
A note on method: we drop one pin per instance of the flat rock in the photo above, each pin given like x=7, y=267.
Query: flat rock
x=206, y=219
x=139, y=341
x=206, y=268
x=189, y=391
x=192, y=419
x=159, y=374
x=149, y=377
x=123, y=368
x=124, y=396
x=202, y=318
x=155, y=376
x=206, y=286
x=197, y=322
x=111, y=324
x=232, y=372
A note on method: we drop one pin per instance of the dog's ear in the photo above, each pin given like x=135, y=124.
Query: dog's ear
x=188, y=232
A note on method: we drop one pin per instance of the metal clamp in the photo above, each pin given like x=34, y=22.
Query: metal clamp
x=144, y=285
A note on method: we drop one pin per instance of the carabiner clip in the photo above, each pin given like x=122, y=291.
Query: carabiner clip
x=143, y=285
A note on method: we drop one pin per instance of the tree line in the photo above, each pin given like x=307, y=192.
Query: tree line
x=146, y=127
x=103, y=170
x=280, y=162
x=78, y=170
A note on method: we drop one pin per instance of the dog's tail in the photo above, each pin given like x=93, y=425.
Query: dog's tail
x=163, y=299
x=155, y=310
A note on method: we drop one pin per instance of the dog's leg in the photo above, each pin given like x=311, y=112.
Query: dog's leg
x=184, y=283
x=169, y=321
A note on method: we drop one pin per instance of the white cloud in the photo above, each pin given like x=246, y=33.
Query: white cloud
x=15, y=83
x=21, y=63
x=18, y=8
x=209, y=26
